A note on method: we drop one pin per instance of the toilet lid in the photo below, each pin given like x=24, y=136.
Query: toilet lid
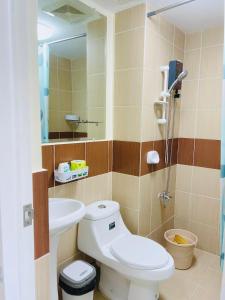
x=139, y=252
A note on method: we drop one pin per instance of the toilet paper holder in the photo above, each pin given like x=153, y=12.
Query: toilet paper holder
x=153, y=158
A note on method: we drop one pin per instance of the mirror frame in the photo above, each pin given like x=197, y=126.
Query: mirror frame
x=110, y=59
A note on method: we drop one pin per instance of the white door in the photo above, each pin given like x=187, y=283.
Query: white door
x=17, y=52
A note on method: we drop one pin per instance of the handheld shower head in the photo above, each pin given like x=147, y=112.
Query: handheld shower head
x=180, y=77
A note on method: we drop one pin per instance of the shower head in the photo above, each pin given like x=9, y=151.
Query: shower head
x=180, y=77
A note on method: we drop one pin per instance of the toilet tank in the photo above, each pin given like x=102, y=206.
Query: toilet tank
x=101, y=225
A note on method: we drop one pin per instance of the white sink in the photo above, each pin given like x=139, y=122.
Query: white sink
x=63, y=214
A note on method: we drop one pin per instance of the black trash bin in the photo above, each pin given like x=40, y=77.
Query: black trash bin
x=78, y=281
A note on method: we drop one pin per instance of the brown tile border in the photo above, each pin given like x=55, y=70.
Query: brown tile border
x=97, y=157
x=40, y=203
x=97, y=154
x=66, y=134
x=126, y=157
x=185, y=154
x=68, y=152
x=207, y=153
x=131, y=157
x=48, y=159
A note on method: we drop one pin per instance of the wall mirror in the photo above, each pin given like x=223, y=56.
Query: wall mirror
x=72, y=71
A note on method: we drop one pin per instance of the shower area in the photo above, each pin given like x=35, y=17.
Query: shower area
x=177, y=116
x=191, y=128
x=180, y=118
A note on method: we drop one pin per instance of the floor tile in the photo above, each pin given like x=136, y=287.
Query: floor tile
x=201, y=282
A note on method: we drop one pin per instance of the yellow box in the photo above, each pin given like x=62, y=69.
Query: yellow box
x=77, y=164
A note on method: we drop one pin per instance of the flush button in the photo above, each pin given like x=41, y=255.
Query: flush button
x=101, y=206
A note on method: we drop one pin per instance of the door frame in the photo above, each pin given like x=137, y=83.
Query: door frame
x=18, y=69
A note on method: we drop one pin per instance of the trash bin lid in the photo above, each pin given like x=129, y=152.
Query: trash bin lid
x=78, y=274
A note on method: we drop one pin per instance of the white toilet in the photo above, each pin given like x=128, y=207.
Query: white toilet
x=131, y=266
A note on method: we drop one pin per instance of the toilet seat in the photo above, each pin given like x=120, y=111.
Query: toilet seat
x=139, y=252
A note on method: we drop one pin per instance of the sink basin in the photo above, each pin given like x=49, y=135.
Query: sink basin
x=63, y=214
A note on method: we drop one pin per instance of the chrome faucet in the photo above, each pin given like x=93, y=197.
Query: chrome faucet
x=164, y=198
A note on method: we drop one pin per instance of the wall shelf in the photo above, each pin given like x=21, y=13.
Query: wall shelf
x=70, y=176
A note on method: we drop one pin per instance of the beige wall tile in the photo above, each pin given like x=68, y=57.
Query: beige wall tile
x=79, y=64
x=148, y=124
x=180, y=222
x=182, y=205
x=129, y=49
x=205, y=210
x=193, y=40
x=98, y=188
x=208, y=237
x=97, y=90
x=192, y=63
x=212, y=62
x=54, y=117
x=213, y=36
x=179, y=39
x=96, y=114
x=166, y=52
x=67, y=245
x=42, y=273
x=178, y=54
x=126, y=190
x=206, y=182
x=64, y=63
x=167, y=30
x=130, y=18
x=63, y=124
x=187, y=123
x=79, y=80
x=130, y=218
x=151, y=87
x=53, y=78
x=210, y=94
x=128, y=87
x=146, y=193
x=189, y=94
x=151, y=50
x=153, y=23
x=97, y=29
x=65, y=82
x=127, y=123
x=184, y=178
x=144, y=223
x=74, y=190
x=208, y=124
x=54, y=100
x=96, y=56
x=65, y=100
x=79, y=101
x=160, y=214
x=53, y=61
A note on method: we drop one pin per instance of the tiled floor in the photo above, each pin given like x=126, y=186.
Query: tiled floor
x=201, y=282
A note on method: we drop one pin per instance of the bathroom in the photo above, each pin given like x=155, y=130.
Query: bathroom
x=106, y=66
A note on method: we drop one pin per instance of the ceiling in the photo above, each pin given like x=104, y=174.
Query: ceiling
x=194, y=16
x=199, y=15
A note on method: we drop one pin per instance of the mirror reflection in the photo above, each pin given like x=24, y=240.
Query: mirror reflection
x=72, y=71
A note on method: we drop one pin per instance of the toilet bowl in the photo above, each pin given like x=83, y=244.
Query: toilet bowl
x=131, y=266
